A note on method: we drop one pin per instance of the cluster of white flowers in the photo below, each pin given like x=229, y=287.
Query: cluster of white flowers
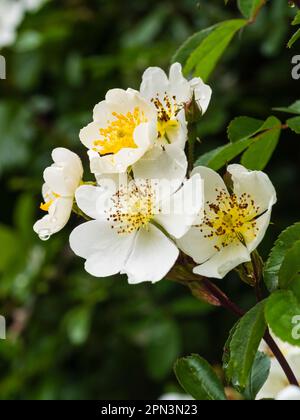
x=12, y=13
x=277, y=385
x=144, y=207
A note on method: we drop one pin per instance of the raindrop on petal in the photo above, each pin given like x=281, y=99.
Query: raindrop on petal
x=44, y=234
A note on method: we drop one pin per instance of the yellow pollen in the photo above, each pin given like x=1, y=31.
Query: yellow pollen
x=133, y=207
x=119, y=132
x=230, y=219
x=52, y=197
x=167, y=111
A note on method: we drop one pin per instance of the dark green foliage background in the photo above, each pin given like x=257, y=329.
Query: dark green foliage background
x=71, y=336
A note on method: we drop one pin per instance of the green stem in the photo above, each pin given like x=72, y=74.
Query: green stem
x=233, y=308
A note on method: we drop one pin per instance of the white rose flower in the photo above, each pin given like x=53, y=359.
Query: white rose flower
x=61, y=181
x=122, y=136
x=11, y=15
x=277, y=382
x=123, y=129
x=291, y=393
x=133, y=227
x=169, y=95
x=234, y=224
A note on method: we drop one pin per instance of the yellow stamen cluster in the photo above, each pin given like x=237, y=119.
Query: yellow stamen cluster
x=50, y=199
x=166, y=113
x=119, y=132
x=133, y=207
x=230, y=219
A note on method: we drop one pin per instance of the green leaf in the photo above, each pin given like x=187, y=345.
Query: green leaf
x=243, y=127
x=283, y=244
x=77, y=323
x=219, y=157
x=249, y=8
x=198, y=379
x=163, y=348
x=294, y=124
x=244, y=345
x=281, y=310
x=245, y=133
x=8, y=241
x=258, y=376
x=294, y=38
x=204, y=58
x=258, y=155
x=290, y=268
x=16, y=134
x=292, y=109
x=296, y=20
x=186, y=49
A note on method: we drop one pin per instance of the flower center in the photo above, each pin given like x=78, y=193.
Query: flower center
x=133, y=207
x=166, y=114
x=50, y=198
x=119, y=132
x=230, y=219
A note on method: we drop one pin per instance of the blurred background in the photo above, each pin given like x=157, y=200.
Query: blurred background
x=71, y=336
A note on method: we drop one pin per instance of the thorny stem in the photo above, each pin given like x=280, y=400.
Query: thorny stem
x=232, y=307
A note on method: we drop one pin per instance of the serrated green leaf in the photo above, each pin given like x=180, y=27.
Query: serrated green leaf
x=260, y=152
x=244, y=345
x=204, y=58
x=282, y=308
x=219, y=157
x=292, y=109
x=294, y=38
x=258, y=376
x=290, y=268
x=294, y=124
x=198, y=379
x=243, y=127
x=283, y=244
x=249, y=8
x=186, y=49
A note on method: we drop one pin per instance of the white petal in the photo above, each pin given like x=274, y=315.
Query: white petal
x=168, y=165
x=178, y=135
x=64, y=157
x=155, y=82
x=179, y=212
x=196, y=246
x=119, y=163
x=202, y=93
x=104, y=249
x=291, y=393
x=179, y=85
x=224, y=261
x=262, y=223
x=152, y=257
x=56, y=180
x=93, y=201
x=89, y=134
x=58, y=217
x=212, y=183
x=255, y=183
